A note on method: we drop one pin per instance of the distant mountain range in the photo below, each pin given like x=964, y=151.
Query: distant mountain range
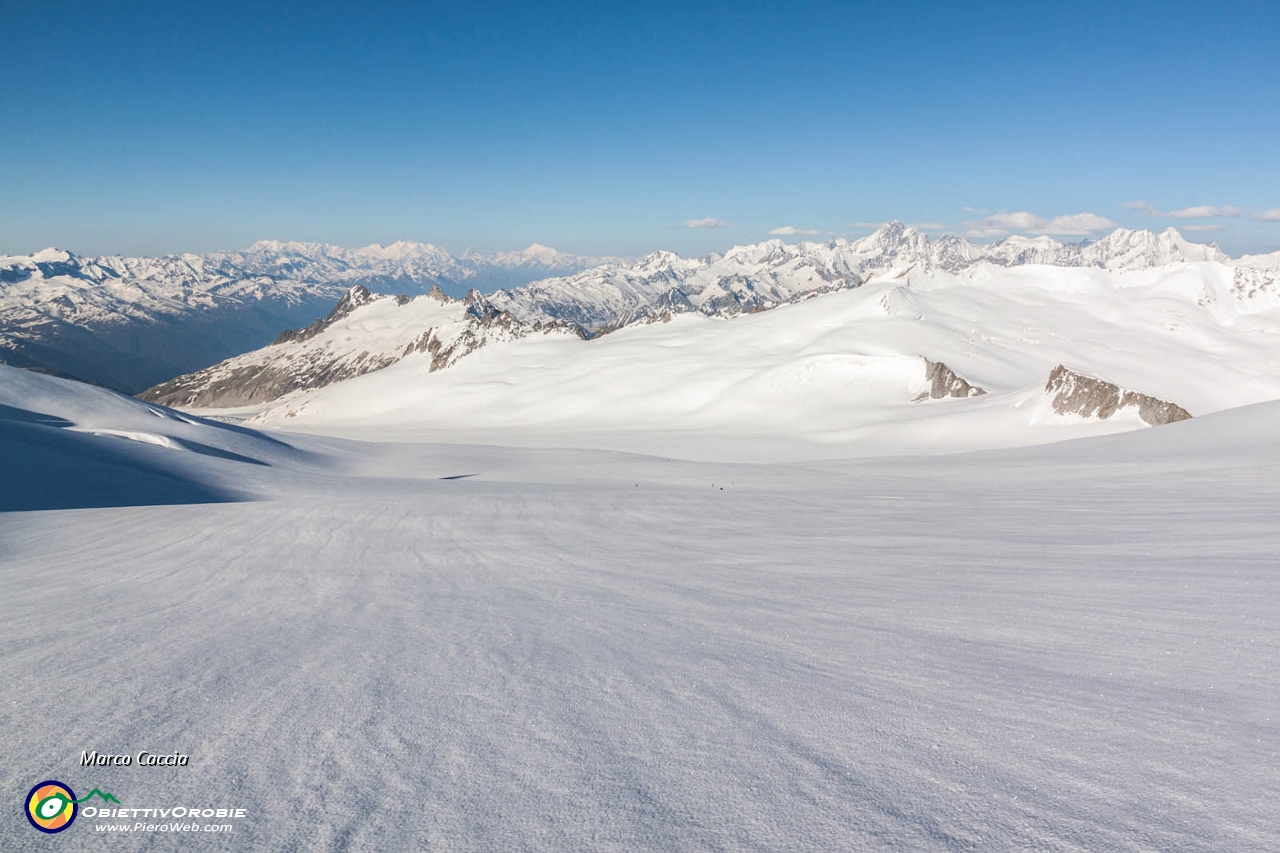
x=130, y=323
x=762, y=275
x=991, y=297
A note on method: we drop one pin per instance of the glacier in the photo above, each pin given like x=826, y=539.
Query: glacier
x=460, y=646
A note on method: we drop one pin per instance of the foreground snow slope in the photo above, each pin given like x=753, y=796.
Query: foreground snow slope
x=1059, y=648
x=840, y=373
x=66, y=445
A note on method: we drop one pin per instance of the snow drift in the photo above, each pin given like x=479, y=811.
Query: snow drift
x=66, y=445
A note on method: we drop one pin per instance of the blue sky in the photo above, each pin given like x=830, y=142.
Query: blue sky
x=603, y=128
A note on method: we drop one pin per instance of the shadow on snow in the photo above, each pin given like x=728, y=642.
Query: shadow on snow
x=43, y=465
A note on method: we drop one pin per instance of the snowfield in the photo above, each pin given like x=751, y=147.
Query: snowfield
x=451, y=646
x=834, y=376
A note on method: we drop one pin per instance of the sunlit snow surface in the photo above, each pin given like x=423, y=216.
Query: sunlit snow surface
x=1070, y=647
x=831, y=377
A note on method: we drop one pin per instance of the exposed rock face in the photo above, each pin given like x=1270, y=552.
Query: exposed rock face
x=329, y=350
x=946, y=383
x=226, y=385
x=1075, y=393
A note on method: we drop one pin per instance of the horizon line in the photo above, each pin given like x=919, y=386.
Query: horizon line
x=931, y=235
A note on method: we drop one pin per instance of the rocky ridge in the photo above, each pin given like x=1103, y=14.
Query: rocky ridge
x=365, y=332
x=1077, y=394
x=945, y=383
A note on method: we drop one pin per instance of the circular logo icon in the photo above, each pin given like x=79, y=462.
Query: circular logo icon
x=51, y=806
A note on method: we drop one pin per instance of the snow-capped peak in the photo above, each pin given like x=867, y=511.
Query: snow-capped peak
x=1126, y=249
x=545, y=254
x=403, y=250
x=51, y=256
x=893, y=238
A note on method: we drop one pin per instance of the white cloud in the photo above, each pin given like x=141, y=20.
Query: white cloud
x=1272, y=215
x=709, y=222
x=1078, y=224
x=1142, y=207
x=1204, y=228
x=790, y=230
x=1000, y=224
x=1072, y=225
x=1202, y=211
x=1021, y=221
x=1199, y=211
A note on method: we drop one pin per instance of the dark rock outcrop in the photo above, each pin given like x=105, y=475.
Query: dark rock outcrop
x=224, y=385
x=945, y=383
x=1088, y=396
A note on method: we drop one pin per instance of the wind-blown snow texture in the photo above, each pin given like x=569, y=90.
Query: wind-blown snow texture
x=1061, y=648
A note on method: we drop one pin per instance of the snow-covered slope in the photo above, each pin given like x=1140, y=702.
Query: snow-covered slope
x=65, y=444
x=129, y=323
x=841, y=372
x=430, y=647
